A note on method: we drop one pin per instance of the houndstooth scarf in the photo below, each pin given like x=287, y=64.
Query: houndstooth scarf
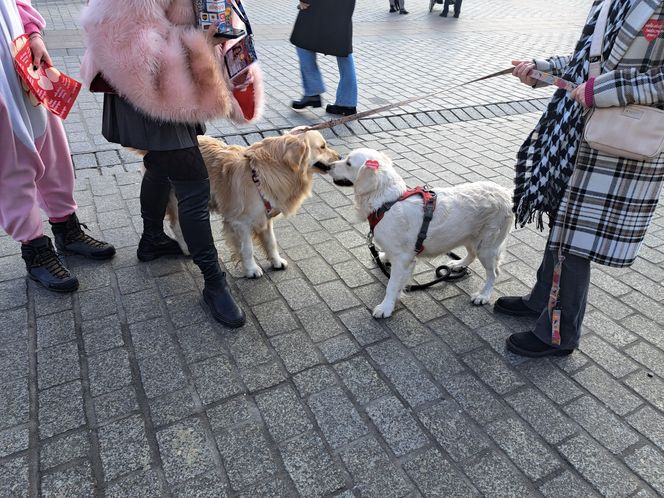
x=546, y=159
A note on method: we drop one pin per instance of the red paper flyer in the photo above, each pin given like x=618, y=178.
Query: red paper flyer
x=45, y=85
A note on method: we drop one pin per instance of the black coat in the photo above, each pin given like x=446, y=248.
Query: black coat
x=325, y=27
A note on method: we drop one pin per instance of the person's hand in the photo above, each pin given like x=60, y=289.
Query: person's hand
x=39, y=53
x=303, y=6
x=521, y=71
x=214, y=40
x=579, y=94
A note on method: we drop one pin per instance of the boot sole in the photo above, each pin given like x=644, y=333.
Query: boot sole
x=506, y=311
x=227, y=323
x=314, y=106
x=60, y=290
x=143, y=257
x=536, y=354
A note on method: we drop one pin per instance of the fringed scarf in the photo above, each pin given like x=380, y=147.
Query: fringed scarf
x=546, y=159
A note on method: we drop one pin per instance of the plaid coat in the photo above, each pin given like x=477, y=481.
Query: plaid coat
x=610, y=200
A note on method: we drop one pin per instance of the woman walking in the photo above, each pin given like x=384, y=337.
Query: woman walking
x=599, y=205
x=35, y=165
x=169, y=79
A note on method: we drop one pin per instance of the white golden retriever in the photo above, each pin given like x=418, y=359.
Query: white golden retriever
x=477, y=216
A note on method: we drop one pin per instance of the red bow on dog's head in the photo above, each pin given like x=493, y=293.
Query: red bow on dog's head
x=372, y=164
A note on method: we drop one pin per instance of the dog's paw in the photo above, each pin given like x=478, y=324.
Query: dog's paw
x=382, y=311
x=478, y=299
x=255, y=272
x=280, y=264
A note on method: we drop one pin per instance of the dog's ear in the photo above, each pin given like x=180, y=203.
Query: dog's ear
x=295, y=153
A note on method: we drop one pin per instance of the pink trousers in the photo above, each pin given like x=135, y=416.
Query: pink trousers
x=33, y=178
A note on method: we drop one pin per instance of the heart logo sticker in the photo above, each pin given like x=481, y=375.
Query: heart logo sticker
x=372, y=164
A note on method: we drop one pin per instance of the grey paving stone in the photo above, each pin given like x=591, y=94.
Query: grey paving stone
x=567, y=485
x=403, y=372
x=436, y=476
x=362, y=325
x=453, y=431
x=317, y=270
x=649, y=464
x=55, y=329
x=257, y=291
x=337, y=417
x=272, y=487
x=310, y=466
x=274, y=318
x=475, y=399
x=14, y=480
x=102, y=334
x=551, y=381
x=438, y=359
x=215, y=379
x=109, y=371
x=71, y=481
x=495, y=476
x=97, y=303
x=397, y=426
x=171, y=407
x=598, y=467
x=142, y=305
x=13, y=440
x=472, y=316
x=60, y=409
x=609, y=391
x=649, y=356
x=62, y=449
x=162, y=373
x=524, y=448
x=184, y=438
x=456, y=335
x=542, y=415
x=601, y=424
x=115, y=404
x=248, y=349
x=204, y=486
x=319, y=322
x=233, y=412
x=57, y=365
x=246, y=454
x=144, y=484
x=493, y=371
x=372, y=471
x=283, y=413
x=408, y=329
x=298, y=293
x=648, y=386
x=123, y=447
x=13, y=294
x=649, y=423
x=337, y=296
x=185, y=310
x=296, y=351
x=362, y=380
x=314, y=380
x=338, y=348
x=353, y=274
x=151, y=337
x=614, y=362
x=263, y=376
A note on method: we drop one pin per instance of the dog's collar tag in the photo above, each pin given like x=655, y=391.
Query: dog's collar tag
x=372, y=164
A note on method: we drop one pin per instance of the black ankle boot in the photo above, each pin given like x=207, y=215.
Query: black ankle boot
x=341, y=110
x=71, y=239
x=193, y=197
x=444, y=12
x=154, y=243
x=310, y=101
x=44, y=266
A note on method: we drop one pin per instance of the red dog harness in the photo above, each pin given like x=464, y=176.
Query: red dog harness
x=428, y=204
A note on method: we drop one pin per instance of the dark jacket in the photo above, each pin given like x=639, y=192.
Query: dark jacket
x=325, y=27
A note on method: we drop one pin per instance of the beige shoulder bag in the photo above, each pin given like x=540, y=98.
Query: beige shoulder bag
x=633, y=131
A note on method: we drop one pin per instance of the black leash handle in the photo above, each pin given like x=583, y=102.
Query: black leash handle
x=443, y=273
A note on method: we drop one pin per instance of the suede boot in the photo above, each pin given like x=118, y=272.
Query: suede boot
x=44, y=266
x=193, y=197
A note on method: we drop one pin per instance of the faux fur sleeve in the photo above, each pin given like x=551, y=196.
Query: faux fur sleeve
x=33, y=22
x=168, y=71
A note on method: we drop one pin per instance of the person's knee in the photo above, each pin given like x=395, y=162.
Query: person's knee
x=177, y=165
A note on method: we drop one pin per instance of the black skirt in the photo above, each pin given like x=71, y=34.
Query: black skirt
x=123, y=124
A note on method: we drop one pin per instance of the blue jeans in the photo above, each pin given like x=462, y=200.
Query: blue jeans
x=312, y=80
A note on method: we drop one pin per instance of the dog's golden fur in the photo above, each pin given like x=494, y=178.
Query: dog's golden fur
x=284, y=165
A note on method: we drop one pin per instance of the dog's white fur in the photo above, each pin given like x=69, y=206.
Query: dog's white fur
x=477, y=216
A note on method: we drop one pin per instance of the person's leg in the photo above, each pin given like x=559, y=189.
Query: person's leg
x=533, y=303
x=393, y=5
x=55, y=192
x=154, y=197
x=402, y=7
x=457, y=8
x=346, y=100
x=186, y=170
x=312, y=80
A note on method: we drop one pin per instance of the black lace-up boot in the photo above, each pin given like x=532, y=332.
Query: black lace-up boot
x=71, y=239
x=44, y=266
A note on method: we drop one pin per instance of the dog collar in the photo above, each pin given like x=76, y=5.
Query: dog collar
x=266, y=203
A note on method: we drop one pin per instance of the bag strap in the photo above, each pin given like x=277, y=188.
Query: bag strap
x=597, y=44
x=242, y=14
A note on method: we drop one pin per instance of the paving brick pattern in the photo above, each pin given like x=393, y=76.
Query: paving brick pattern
x=128, y=388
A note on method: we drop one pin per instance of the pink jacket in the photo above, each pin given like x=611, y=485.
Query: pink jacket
x=152, y=53
x=33, y=22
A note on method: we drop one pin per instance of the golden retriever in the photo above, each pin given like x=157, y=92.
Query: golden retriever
x=284, y=166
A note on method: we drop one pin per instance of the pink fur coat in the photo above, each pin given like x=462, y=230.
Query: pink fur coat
x=153, y=54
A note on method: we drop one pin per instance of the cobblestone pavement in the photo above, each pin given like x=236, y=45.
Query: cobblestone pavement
x=129, y=388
